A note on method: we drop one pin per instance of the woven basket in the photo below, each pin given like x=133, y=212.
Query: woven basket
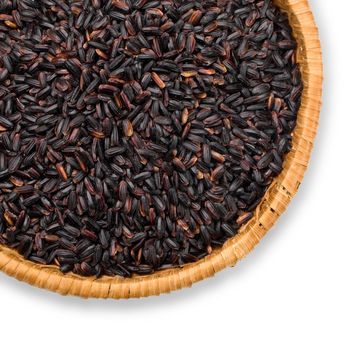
x=275, y=201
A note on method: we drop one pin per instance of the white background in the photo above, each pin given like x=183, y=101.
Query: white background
x=292, y=292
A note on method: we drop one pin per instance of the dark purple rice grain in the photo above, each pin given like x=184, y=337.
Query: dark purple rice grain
x=138, y=135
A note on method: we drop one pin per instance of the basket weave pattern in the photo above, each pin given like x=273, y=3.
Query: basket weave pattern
x=275, y=201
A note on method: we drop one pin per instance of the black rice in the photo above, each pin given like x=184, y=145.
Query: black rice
x=139, y=135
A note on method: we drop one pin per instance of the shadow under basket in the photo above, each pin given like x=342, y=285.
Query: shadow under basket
x=273, y=204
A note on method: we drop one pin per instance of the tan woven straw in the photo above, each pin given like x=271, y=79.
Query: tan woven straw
x=272, y=206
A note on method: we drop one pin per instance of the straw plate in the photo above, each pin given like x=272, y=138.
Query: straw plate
x=275, y=201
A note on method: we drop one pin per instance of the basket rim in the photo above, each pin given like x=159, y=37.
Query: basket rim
x=273, y=204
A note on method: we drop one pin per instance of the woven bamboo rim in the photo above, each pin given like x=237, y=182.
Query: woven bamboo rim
x=275, y=201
